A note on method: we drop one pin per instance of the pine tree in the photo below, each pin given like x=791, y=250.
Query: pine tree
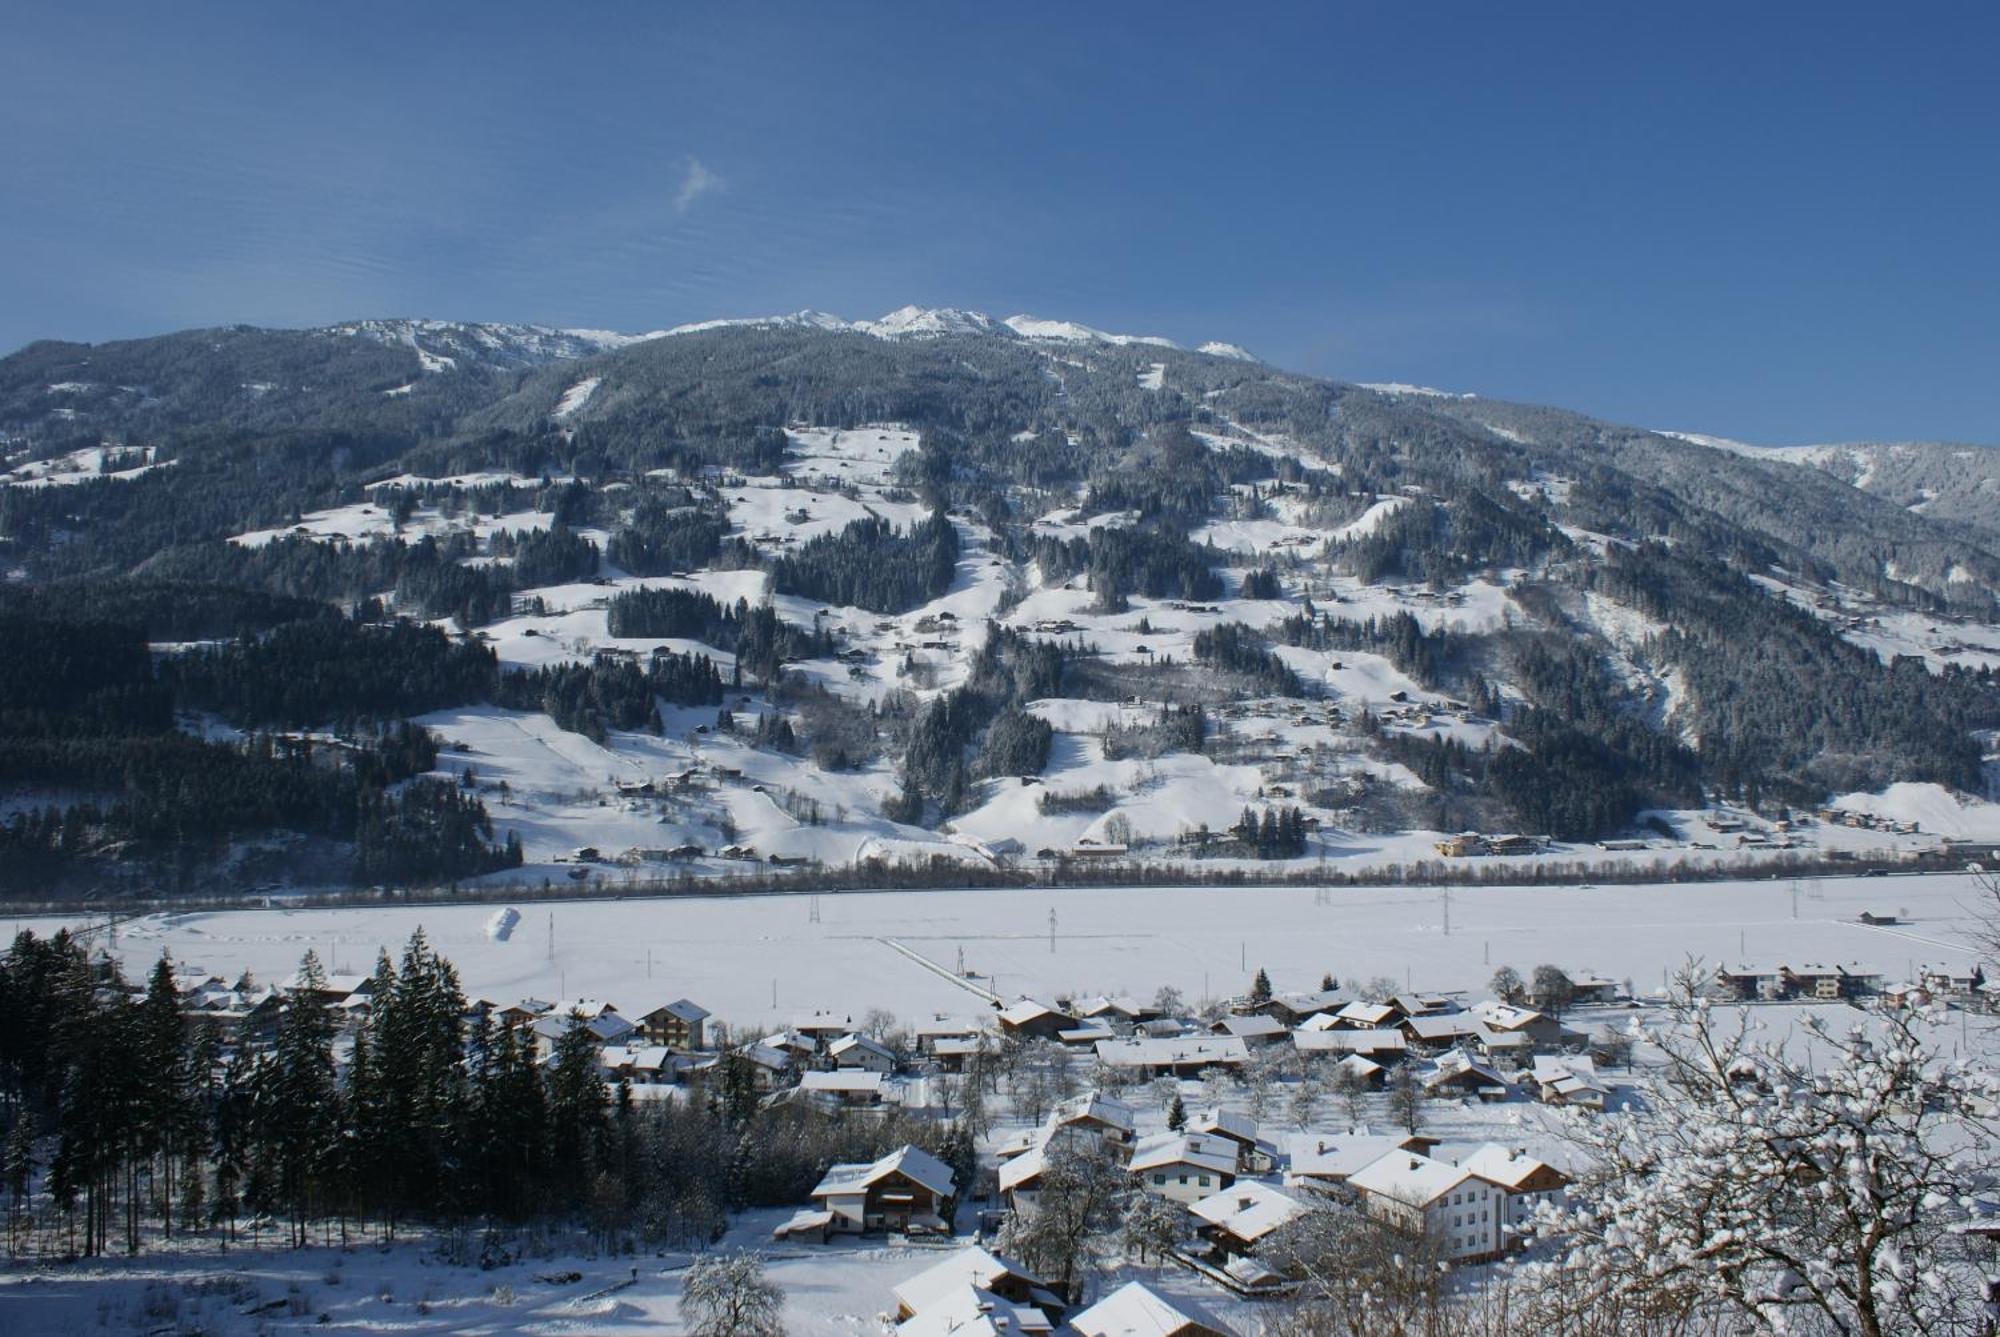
x=1176, y=1114
x=1260, y=988
x=298, y=1116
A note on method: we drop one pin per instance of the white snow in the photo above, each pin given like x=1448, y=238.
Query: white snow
x=829, y=951
x=1404, y=388
x=577, y=396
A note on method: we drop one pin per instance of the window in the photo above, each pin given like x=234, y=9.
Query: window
x=1204, y=1181
x=1159, y=1179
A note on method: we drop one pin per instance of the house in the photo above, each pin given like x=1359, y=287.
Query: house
x=972, y=1267
x=1237, y=1219
x=955, y=1055
x=1085, y=1036
x=968, y=1311
x=1030, y=1020
x=845, y=1089
x=1905, y=994
x=1365, y=1072
x=770, y=1069
x=1464, y=845
x=822, y=1028
x=1329, y=1160
x=523, y=1012
x=928, y=1033
x=1382, y=1045
x=1824, y=983
x=1527, y=1183
x=1440, y=1030
x=907, y=1190
x=641, y=1065
x=1293, y=1008
x=1254, y=1031
x=1448, y=1204
x=858, y=1052
x=1136, y=1310
x=1183, y=1166
x=1253, y=1156
x=1460, y=1074
x=1568, y=1079
x=1121, y=1010
x=1749, y=983
x=1541, y=1030
x=676, y=1025
x=1361, y=1016
x=1111, y=1119
x=1588, y=989
x=1177, y=1057
x=606, y=1028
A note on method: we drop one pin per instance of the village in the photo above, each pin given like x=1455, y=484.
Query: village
x=1223, y=1129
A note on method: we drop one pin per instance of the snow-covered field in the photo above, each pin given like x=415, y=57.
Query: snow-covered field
x=754, y=960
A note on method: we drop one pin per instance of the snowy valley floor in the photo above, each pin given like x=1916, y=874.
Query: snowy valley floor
x=753, y=961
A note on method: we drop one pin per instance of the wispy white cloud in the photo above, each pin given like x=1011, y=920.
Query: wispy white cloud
x=698, y=181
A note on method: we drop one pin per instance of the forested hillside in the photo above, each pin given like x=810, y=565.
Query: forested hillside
x=419, y=601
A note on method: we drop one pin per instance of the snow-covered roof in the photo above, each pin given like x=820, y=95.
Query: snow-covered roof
x=969, y=1311
x=1137, y=1310
x=1246, y=1027
x=1503, y=1165
x=1250, y=1210
x=1202, y=1152
x=1358, y=1013
x=1232, y=1124
x=680, y=1009
x=847, y=1044
x=849, y=1081
x=1505, y=1016
x=1179, y=1051
x=1098, y=1107
x=969, y=1267
x=1336, y=1156
x=912, y=1162
x=1025, y=1011
x=1349, y=1041
x=1409, y=1178
x=1442, y=1025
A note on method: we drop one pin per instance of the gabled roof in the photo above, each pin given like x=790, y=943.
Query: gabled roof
x=952, y=1026
x=969, y=1311
x=1206, y=1153
x=1180, y=1051
x=1457, y=1065
x=1500, y=1165
x=1097, y=1107
x=681, y=1009
x=1337, y=1156
x=911, y=1162
x=1358, y=1013
x=1506, y=1016
x=1436, y=1026
x=847, y=1044
x=1409, y=1178
x=1246, y=1027
x=1026, y=1010
x=1349, y=1041
x=1250, y=1210
x=1232, y=1124
x=848, y=1081
x=967, y=1267
x=1136, y=1310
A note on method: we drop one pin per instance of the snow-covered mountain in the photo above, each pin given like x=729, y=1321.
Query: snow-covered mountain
x=442, y=344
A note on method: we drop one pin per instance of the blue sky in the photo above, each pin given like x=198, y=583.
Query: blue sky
x=1771, y=221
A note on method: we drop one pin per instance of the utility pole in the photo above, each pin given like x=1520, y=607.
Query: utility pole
x=552, y=935
x=1795, y=898
x=1052, y=930
x=1447, y=912
x=1486, y=953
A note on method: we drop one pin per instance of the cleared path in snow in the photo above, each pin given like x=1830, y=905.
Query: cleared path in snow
x=940, y=971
